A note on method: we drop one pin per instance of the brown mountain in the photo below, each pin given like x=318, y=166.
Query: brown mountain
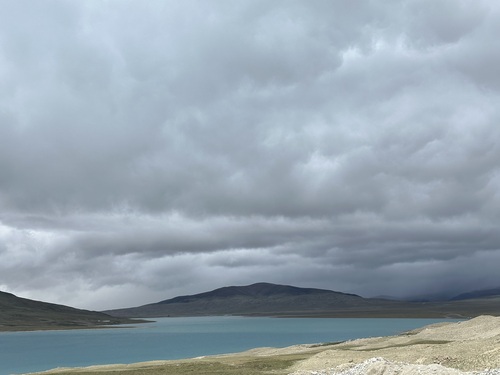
x=21, y=314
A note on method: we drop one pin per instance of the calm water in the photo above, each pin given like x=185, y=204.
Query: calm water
x=174, y=338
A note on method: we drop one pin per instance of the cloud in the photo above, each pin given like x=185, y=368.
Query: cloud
x=149, y=150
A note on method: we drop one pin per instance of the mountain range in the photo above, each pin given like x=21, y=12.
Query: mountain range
x=265, y=299
x=260, y=299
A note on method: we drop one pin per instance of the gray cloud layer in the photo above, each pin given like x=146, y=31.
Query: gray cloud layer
x=149, y=149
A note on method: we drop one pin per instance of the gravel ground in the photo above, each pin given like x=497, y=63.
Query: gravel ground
x=465, y=348
x=381, y=366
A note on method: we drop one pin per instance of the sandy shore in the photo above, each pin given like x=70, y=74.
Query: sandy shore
x=445, y=348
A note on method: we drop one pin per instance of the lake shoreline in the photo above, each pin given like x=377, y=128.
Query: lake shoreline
x=472, y=345
x=140, y=320
x=35, y=328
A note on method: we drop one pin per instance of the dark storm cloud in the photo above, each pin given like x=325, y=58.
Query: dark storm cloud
x=150, y=148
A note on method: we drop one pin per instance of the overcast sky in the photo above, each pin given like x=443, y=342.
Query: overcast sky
x=155, y=148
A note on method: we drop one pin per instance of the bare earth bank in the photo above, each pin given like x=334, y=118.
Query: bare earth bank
x=446, y=348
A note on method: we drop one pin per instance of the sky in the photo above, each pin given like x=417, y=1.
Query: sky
x=162, y=148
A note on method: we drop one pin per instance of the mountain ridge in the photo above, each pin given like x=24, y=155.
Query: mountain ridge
x=266, y=299
x=255, y=299
x=252, y=290
x=482, y=293
x=259, y=299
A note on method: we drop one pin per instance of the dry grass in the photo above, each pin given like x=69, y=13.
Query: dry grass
x=226, y=365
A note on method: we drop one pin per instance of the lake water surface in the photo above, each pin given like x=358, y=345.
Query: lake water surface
x=175, y=338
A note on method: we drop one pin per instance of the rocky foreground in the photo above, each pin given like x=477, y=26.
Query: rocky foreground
x=468, y=347
x=376, y=366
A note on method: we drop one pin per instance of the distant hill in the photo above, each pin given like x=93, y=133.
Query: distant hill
x=265, y=299
x=427, y=297
x=19, y=314
x=478, y=294
x=259, y=290
x=255, y=299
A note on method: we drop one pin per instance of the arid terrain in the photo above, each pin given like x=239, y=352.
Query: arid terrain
x=445, y=348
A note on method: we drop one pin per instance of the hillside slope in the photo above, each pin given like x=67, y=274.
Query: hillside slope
x=19, y=314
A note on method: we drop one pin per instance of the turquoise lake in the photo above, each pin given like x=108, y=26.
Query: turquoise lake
x=175, y=338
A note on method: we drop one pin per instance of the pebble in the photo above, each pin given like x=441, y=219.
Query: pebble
x=396, y=368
